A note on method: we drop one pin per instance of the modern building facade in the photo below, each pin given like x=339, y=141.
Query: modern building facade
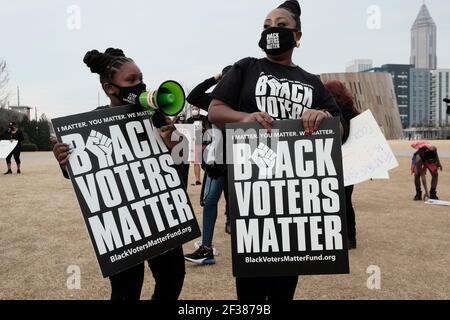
x=359, y=65
x=400, y=77
x=440, y=90
x=374, y=91
x=420, y=98
x=424, y=41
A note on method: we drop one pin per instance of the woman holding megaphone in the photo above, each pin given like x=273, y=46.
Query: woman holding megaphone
x=121, y=79
x=268, y=89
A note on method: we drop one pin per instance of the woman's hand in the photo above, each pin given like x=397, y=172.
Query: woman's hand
x=62, y=152
x=262, y=118
x=312, y=120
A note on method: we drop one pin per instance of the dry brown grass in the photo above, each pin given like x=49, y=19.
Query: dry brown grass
x=42, y=233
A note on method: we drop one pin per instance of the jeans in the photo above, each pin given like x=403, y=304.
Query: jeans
x=213, y=191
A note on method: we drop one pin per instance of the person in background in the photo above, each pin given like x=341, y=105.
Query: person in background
x=215, y=181
x=200, y=98
x=197, y=117
x=14, y=134
x=425, y=159
x=242, y=97
x=119, y=77
x=346, y=103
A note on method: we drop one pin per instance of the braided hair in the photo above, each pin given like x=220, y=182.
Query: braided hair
x=293, y=7
x=106, y=64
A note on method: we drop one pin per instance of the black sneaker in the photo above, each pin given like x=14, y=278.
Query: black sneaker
x=203, y=256
x=433, y=195
x=228, y=227
x=8, y=172
x=418, y=196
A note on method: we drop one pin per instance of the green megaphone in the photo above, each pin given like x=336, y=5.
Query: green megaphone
x=170, y=98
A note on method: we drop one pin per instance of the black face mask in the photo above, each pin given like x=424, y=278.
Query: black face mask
x=276, y=41
x=130, y=94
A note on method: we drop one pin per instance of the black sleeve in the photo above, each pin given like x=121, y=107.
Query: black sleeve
x=198, y=96
x=20, y=136
x=229, y=88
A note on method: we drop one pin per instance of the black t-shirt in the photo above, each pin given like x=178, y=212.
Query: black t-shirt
x=15, y=136
x=284, y=92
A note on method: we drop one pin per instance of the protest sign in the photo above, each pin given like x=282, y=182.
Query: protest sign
x=366, y=154
x=287, y=200
x=438, y=203
x=6, y=147
x=131, y=196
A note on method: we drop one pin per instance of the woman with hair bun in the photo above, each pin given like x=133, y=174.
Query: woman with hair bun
x=120, y=77
x=268, y=89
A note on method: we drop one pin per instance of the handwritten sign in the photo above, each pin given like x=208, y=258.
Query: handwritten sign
x=6, y=147
x=366, y=154
x=189, y=132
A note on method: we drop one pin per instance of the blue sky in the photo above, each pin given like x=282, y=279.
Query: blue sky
x=189, y=40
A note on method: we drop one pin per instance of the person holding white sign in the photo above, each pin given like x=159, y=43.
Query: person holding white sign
x=346, y=103
x=268, y=89
x=14, y=134
x=119, y=77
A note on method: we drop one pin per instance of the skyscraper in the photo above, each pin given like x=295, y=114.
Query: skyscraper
x=440, y=90
x=423, y=41
x=400, y=76
x=420, y=98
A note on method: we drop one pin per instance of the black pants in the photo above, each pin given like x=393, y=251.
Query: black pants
x=16, y=153
x=183, y=171
x=266, y=289
x=351, y=220
x=168, y=271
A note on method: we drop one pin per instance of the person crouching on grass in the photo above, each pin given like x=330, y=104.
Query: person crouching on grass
x=120, y=76
x=246, y=89
x=425, y=159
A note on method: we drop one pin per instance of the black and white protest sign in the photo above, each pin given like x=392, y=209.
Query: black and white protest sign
x=133, y=201
x=287, y=200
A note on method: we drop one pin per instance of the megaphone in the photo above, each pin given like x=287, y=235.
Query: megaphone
x=170, y=98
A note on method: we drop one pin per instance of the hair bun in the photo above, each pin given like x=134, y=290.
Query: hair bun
x=98, y=62
x=292, y=6
x=115, y=52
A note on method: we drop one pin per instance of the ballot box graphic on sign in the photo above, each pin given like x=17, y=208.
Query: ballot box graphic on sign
x=287, y=200
x=132, y=198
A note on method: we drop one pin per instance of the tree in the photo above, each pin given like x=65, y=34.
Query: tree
x=37, y=132
x=4, y=78
x=43, y=134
